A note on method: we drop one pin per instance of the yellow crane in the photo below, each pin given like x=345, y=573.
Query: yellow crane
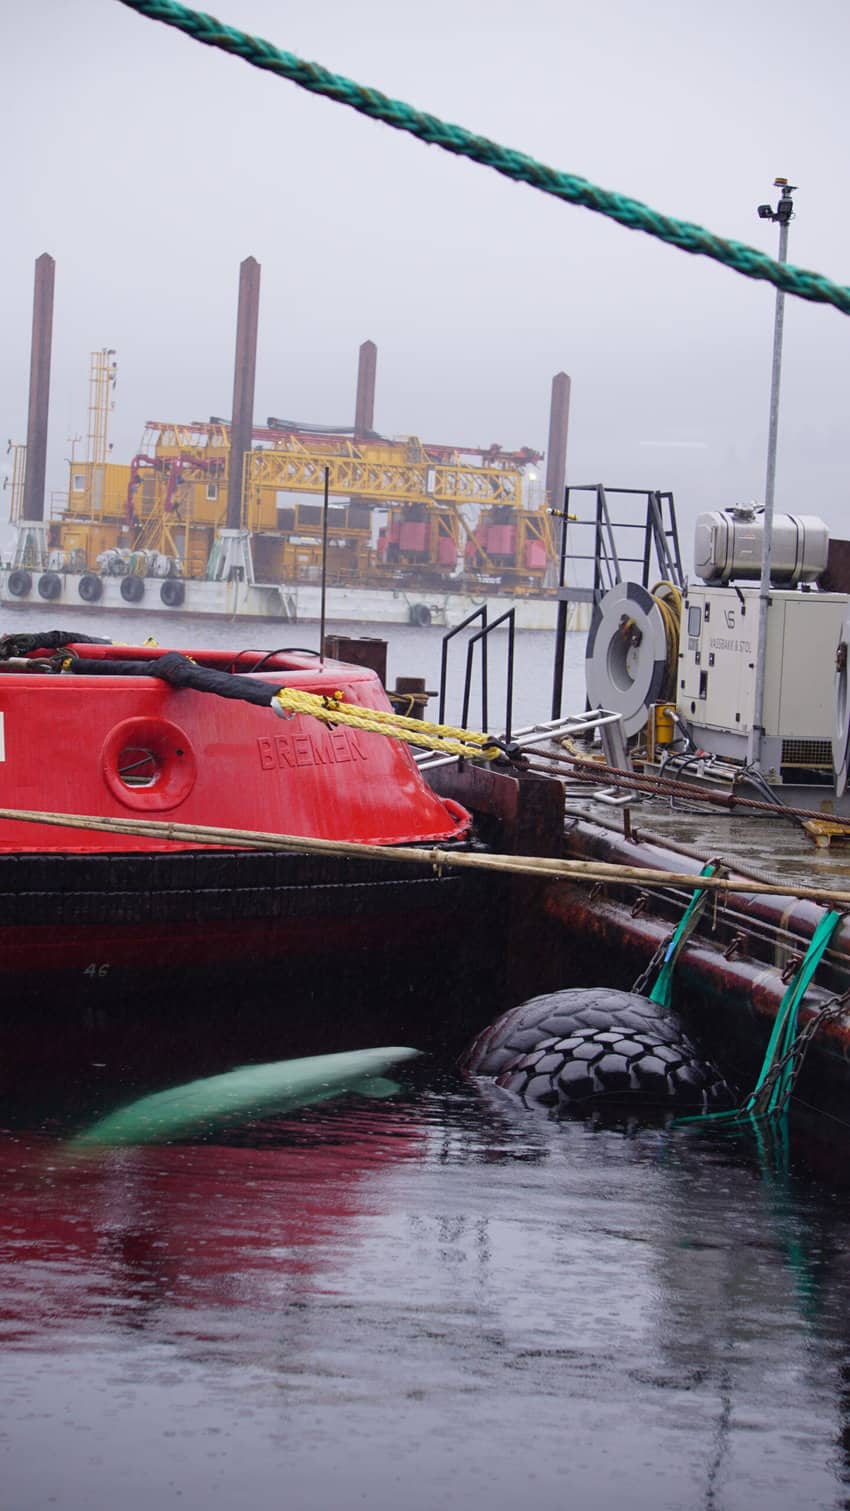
x=444, y=511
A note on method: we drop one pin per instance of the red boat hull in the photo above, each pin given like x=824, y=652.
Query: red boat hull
x=108, y=938
x=132, y=746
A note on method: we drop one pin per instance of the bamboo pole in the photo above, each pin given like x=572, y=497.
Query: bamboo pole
x=433, y=855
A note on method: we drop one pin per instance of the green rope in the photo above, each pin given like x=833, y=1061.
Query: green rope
x=771, y=1093
x=662, y=991
x=785, y=1025
x=515, y=165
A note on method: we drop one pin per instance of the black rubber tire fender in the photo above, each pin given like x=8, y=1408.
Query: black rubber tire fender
x=90, y=587
x=616, y=1065
x=132, y=589
x=19, y=583
x=172, y=592
x=49, y=585
x=420, y=614
x=557, y=1014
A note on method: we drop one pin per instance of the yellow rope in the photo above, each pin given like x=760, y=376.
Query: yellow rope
x=330, y=709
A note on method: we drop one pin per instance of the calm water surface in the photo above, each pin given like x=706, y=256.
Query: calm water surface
x=411, y=652
x=437, y=1299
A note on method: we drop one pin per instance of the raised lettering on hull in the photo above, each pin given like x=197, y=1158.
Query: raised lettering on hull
x=284, y=752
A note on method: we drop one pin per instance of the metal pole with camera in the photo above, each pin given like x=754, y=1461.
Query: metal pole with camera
x=783, y=215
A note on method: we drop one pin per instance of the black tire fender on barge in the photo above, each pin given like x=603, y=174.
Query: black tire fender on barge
x=586, y=1046
x=90, y=587
x=49, y=585
x=132, y=589
x=172, y=592
x=20, y=583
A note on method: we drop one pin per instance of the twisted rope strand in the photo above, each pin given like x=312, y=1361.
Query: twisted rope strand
x=441, y=737
x=631, y=213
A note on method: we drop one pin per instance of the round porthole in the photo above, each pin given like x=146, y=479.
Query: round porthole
x=148, y=764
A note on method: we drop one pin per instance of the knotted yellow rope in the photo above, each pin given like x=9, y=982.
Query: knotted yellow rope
x=331, y=709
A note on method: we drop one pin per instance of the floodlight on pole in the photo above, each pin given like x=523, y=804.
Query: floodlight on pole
x=782, y=215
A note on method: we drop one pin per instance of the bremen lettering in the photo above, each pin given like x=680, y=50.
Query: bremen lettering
x=282, y=752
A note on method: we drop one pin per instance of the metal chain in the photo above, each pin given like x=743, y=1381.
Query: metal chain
x=647, y=975
x=796, y=1054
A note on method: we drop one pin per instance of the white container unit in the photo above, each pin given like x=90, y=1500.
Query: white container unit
x=716, y=676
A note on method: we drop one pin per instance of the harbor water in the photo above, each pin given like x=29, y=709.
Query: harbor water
x=418, y=1293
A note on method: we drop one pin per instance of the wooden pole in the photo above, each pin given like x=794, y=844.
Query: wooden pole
x=432, y=855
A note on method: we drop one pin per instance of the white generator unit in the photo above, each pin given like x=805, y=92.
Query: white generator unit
x=716, y=682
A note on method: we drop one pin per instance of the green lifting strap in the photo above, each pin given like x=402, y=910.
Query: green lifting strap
x=785, y=1025
x=662, y=991
x=771, y=1093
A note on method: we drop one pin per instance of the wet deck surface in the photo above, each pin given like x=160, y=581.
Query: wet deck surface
x=774, y=847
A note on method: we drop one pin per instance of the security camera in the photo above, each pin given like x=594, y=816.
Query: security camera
x=765, y=212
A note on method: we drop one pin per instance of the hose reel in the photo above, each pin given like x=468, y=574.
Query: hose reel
x=631, y=652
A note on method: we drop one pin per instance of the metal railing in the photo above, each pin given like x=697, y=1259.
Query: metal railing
x=480, y=637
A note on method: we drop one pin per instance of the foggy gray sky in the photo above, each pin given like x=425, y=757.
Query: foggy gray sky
x=149, y=166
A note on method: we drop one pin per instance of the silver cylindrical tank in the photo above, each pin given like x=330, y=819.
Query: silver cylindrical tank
x=728, y=544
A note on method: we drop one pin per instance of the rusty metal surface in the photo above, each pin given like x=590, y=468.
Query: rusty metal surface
x=836, y=578
x=589, y=839
x=733, y=972
x=728, y=1004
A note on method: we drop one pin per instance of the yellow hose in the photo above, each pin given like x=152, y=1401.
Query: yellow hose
x=669, y=600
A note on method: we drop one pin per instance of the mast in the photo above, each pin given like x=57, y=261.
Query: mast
x=556, y=479
x=556, y=451
x=42, y=339
x=364, y=407
x=244, y=372
x=103, y=375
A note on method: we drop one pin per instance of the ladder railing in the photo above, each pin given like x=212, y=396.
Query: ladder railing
x=480, y=638
x=659, y=554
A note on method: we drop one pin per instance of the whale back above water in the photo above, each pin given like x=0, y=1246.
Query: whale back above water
x=282, y=1086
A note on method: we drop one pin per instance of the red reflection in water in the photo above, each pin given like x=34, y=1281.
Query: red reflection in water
x=100, y=1233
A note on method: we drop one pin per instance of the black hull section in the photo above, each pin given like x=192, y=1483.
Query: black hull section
x=114, y=964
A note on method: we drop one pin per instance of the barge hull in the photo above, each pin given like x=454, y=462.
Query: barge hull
x=731, y=975
x=291, y=604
